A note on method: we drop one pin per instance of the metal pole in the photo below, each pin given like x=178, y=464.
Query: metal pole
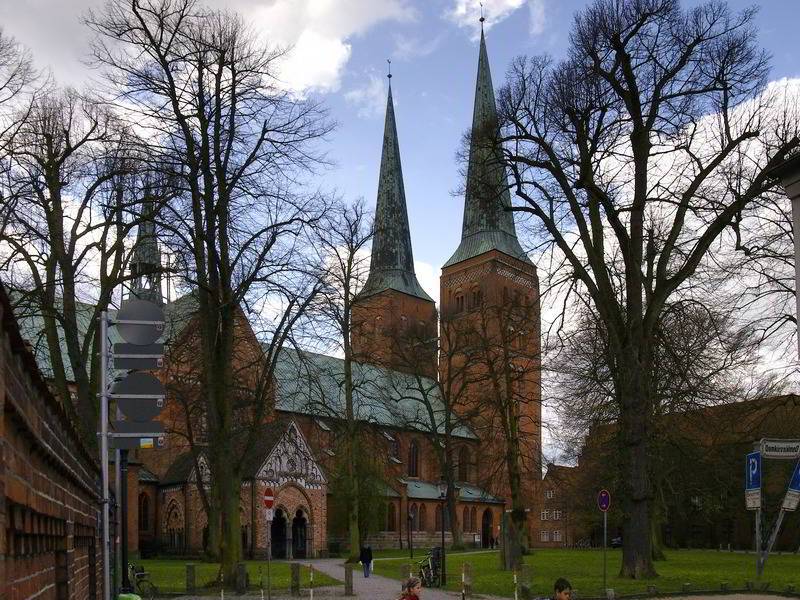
x=605, y=542
x=123, y=518
x=758, y=542
x=443, y=580
x=771, y=543
x=118, y=512
x=104, y=453
x=269, y=559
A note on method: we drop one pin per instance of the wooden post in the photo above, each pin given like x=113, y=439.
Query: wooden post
x=348, y=579
x=190, y=578
x=295, y=568
x=311, y=581
x=241, y=578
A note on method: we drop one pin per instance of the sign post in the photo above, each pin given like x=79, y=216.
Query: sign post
x=604, y=503
x=269, y=503
x=752, y=497
x=790, y=501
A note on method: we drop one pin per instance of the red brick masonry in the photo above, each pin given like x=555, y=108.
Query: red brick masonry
x=49, y=485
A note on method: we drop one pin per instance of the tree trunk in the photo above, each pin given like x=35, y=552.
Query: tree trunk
x=231, y=538
x=637, y=562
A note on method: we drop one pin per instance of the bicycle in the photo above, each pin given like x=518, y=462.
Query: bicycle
x=429, y=570
x=139, y=579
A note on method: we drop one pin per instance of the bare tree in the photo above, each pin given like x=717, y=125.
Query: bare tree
x=71, y=196
x=634, y=155
x=204, y=89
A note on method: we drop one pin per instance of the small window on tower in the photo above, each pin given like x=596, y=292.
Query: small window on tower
x=477, y=297
x=378, y=325
x=460, y=303
x=403, y=322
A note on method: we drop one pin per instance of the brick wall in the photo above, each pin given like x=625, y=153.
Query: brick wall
x=49, y=494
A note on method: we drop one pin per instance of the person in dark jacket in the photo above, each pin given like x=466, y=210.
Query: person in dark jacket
x=366, y=559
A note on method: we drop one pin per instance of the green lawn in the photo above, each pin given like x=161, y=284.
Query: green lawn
x=703, y=569
x=170, y=575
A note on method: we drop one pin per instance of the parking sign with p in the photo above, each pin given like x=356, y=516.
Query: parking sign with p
x=752, y=481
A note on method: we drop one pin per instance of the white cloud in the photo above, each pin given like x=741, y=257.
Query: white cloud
x=369, y=98
x=411, y=47
x=318, y=31
x=428, y=277
x=537, y=19
x=465, y=13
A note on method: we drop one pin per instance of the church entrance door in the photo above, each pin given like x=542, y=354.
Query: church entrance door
x=299, y=535
x=486, y=528
x=278, y=532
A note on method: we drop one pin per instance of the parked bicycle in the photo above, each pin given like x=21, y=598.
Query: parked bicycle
x=140, y=580
x=430, y=568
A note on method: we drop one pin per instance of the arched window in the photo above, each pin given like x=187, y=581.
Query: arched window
x=465, y=520
x=413, y=459
x=423, y=518
x=144, y=512
x=473, y=520
x=459, y=302
x=464, y=460
x=390, y=518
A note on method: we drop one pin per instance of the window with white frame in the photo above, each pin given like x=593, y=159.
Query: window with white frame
x=545, y=515
x=544, y=536
x=549, y=494
x=556, y=515
x=557, y=535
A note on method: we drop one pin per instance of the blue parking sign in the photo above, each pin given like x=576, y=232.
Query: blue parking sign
x=752, y=476
x=794, y=484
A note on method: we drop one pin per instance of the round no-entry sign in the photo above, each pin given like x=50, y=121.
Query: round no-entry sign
x=604, y=500
x=269, y=498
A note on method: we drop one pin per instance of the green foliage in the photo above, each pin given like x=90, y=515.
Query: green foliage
x=371, y=489
x=703, y=569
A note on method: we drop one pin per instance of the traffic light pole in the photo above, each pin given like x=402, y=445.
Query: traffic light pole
x=104, y=453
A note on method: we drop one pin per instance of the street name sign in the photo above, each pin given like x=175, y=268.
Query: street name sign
x=772, y=448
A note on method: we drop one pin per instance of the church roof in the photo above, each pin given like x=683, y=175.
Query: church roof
x=313, y=384
x=488, y=222
x=467, y=492
x=392, y=263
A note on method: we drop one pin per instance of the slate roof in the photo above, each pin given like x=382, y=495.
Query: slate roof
x=313, y=384
x=392, y=261
x=488, y=224
x=147, y=476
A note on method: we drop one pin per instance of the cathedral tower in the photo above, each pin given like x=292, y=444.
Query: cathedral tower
x=490, y=305
x=146, y=259
x=394, y=320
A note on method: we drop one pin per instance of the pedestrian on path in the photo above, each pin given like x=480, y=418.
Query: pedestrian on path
x=412, y=589
x=366, y=559
x=562, y=590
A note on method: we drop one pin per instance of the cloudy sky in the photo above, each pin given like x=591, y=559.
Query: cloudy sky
x=340, y=49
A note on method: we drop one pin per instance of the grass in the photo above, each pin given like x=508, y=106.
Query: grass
x=170, y=575
x=703, y=569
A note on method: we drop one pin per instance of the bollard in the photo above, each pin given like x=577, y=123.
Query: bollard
x=311, y=581
x=295, y=567
x=467, y=578
x=610, y=595
x=190, y=578
x=651, y=590
x=724, y=586
x=241, y=578
x=687, y=587
x=348, y=579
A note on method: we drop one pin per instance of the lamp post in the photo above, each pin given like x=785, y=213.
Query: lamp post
x=443, y=498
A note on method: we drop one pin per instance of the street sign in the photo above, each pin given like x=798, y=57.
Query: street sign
x=792, y=498
x=269, y=498
x=604, y=500
x=140, y=322
x=752, y=481
x=139, y=396
x=787, y=449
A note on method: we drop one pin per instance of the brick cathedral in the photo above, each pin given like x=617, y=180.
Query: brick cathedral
x=487, y=275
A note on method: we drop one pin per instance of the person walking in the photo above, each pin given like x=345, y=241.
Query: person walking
x=562, y=590
x=412, y=589
x=366, y=559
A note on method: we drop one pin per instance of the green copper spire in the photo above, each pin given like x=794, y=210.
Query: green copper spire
x=487, y=224
x=392, y=264
x=146, y=259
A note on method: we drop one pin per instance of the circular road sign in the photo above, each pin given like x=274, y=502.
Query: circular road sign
x=604, y=500
x=140, y=334
x=140, y=396
x=269, y=498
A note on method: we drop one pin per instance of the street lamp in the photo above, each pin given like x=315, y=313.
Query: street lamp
x=443, y=498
